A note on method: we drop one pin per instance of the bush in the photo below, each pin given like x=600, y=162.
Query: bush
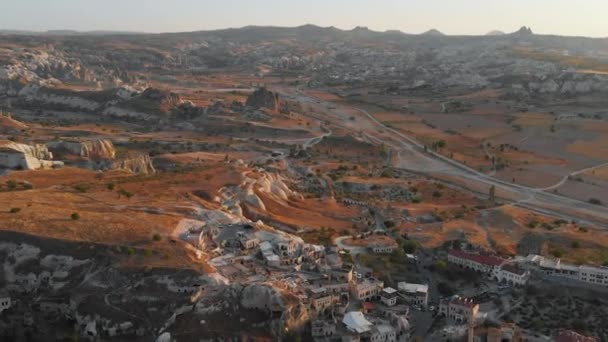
x=533, y=224
x=130, y=251
x=125, y=193
x=437, y=194
x=575, y=244
x=75, y=216
x=595, y=201
x=557, y=253
x=82, y=187
x=416, y=200
x=15, y=210
x=11, y=184
x=156, y=237
x=110, y=186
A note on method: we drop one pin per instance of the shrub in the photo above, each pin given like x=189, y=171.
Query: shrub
x=575, y=244
x=533, y=224
x=125, y=193
x=11, y=184
x=82, y=187
x=110, y=186
x=15, y=210
x=557, y=253
x=75, y=216
x=130, y=251
x=156, y=237
x=595, y=201
x=437, y=194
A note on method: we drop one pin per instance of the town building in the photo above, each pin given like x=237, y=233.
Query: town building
x=383, y=333
x=248, y=241
x=512, y=274
x=585, y=273
x=368, y=289
x=321, y=299
x=458, y=308
x=356, y=322
x=322, y=329
x=383, y=248
x=480, y=262
x=415, y=294
x=388, y=296
x=572, y=336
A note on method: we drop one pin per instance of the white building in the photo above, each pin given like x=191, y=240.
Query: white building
x=585, y=273
x=383, y=248
x=416, y=294
x=356, y=322
x=512, y=274
x=388, y=296
x=383, y=333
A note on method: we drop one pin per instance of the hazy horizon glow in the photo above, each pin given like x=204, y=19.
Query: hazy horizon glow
x=466, y=17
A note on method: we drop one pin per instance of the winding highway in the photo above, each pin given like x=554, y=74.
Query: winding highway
x=411, y=155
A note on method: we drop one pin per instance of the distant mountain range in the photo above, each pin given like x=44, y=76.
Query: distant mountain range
x=495, y=33
x=67, y=33
x=266, y=32
x=433, y=32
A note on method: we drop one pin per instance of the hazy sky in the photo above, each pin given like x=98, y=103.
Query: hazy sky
x=565, y=17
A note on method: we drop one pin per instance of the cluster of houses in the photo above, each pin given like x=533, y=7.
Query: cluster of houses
x=517, y=271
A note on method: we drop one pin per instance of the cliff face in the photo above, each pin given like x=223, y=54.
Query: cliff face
x=100, y=149
x=165, y=99
x=264, y=98
x=136, y=163
x=22, y=156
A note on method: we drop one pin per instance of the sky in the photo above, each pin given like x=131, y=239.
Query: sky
x=563, y=17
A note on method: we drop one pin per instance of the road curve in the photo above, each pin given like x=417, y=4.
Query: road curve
x=526, y=197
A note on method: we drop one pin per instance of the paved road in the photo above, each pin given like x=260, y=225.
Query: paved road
x=354, y=250
x=411, y=155
x=575, y=173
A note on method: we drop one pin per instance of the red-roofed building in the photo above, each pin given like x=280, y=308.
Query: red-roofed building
x=480, y=262
x=571, y=336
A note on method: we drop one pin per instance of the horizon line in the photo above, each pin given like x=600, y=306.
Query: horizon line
x=129, y=32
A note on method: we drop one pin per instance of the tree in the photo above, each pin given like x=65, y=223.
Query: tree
x=441, y=265
x=15, y=210
x=75, y=216
x=492, y=194
x=595, y=201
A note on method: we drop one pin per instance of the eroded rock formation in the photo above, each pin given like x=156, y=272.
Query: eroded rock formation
x=264, y=98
